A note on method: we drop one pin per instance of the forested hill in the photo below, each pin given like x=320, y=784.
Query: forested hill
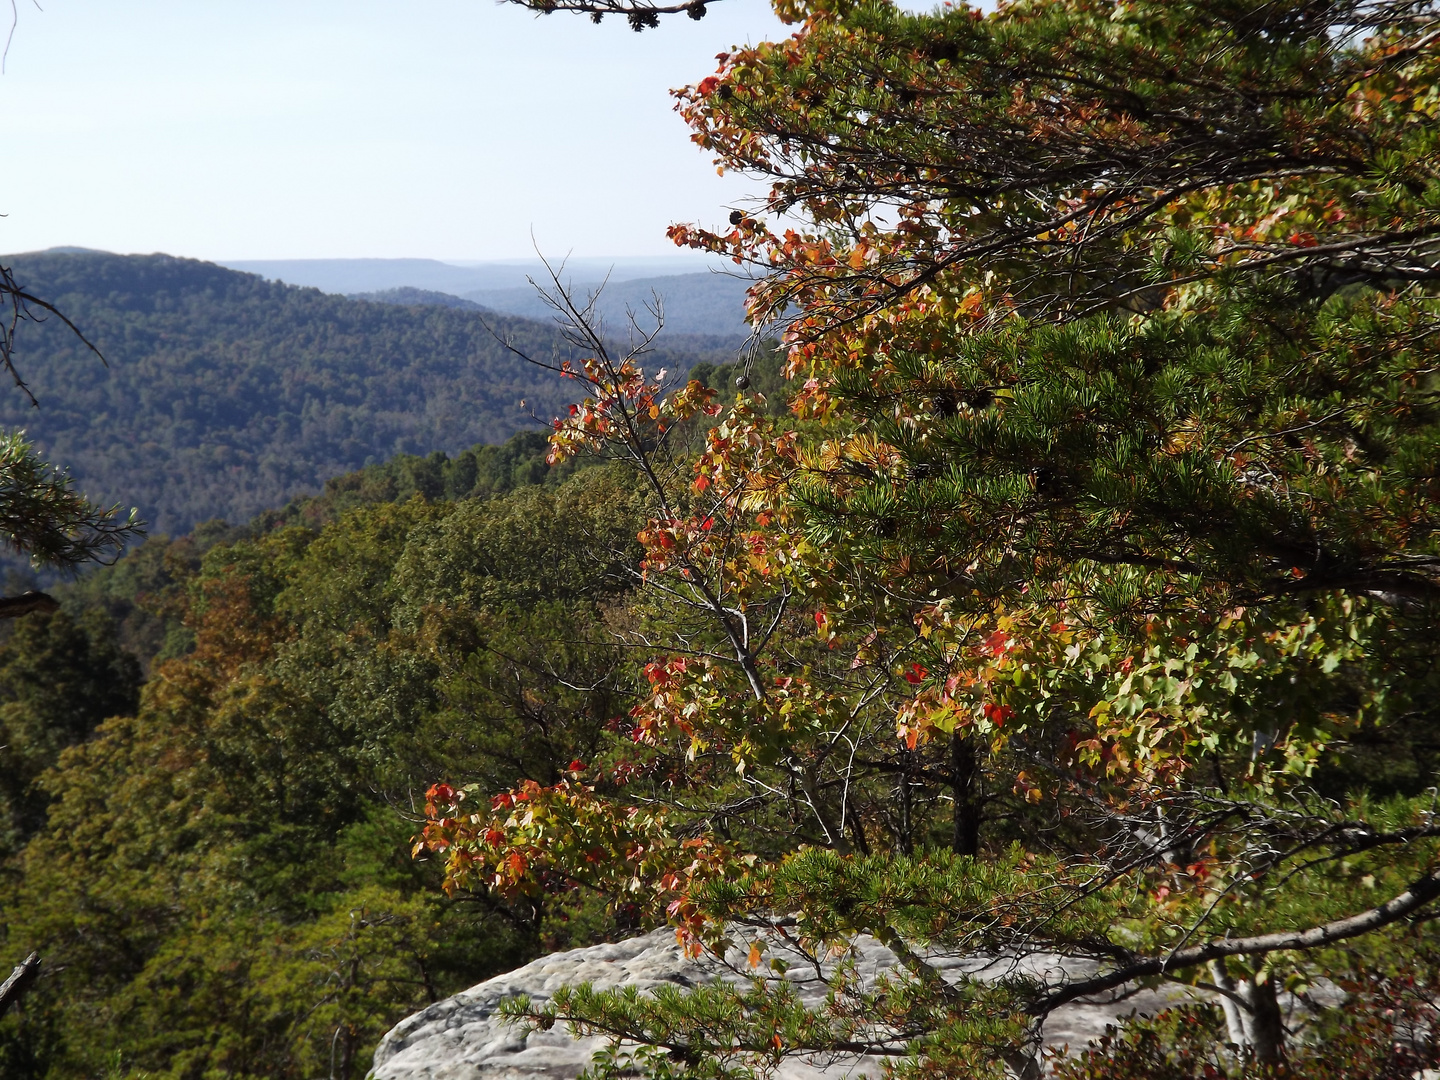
x=226, y=394
x=408, y=295
x=704, y=303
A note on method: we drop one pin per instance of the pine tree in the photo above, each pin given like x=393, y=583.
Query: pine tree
x=1103, y=525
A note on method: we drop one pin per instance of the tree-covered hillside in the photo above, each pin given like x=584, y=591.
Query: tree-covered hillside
x=226, y=394
x=215, y=865
x=212, y=760
x=139, y=595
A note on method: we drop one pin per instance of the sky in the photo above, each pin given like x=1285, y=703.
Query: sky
x=291, y=129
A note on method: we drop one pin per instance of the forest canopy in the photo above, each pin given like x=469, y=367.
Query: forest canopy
x=226, y=394
x=215, y=864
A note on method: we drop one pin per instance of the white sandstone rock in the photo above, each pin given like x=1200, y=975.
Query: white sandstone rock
x=461, y=1038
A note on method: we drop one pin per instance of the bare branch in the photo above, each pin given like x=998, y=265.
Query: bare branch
x=20, y=980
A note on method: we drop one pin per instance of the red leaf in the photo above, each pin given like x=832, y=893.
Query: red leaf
x=998, y=714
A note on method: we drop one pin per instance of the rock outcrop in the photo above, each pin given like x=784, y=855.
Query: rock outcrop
x=461, y=1038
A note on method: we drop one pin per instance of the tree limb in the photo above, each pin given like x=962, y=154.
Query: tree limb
x=20, y=980
x=12, y=607
x=1420, y=893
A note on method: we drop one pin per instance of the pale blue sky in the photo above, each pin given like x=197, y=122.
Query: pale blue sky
x=448, y=129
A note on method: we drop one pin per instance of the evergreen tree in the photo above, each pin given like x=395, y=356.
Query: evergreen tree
x=1103, y=525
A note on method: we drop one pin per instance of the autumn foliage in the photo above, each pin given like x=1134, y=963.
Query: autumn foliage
x=1101, y=525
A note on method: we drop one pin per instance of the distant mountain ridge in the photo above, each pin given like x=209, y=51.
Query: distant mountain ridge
x=227, y=394
x=705, y=303
x=697, y=300
x=423, y=297
x=706, y=327
x=375, y=275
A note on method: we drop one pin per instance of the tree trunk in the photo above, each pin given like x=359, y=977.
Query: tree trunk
x=1252, y=1015
x=965, y=782
x=857, y=830
x=1266, y=1027
x=904, y=840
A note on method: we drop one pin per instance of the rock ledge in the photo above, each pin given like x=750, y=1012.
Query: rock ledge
x=461, y=1038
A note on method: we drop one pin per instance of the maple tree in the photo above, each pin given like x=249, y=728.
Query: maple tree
x=1098, y=546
